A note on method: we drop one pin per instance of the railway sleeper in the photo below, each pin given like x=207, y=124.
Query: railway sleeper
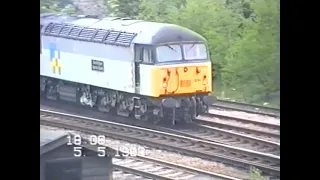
x=181, y=109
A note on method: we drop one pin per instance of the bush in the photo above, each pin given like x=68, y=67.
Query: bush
x=255, y=174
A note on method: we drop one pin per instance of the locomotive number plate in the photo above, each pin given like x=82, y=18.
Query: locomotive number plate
x=185, y=83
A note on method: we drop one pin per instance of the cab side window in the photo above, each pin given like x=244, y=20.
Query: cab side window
x=138, y=52
x=147, y=55
x=143, y=53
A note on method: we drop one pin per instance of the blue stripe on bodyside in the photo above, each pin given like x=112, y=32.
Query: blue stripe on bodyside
x=52, y=48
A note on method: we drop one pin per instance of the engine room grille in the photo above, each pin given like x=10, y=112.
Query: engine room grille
x=80, y=33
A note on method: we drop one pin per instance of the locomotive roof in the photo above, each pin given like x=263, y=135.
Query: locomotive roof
x=129, y=31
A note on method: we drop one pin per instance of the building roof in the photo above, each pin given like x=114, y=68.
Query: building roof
x=52, y=139
x=46, y=136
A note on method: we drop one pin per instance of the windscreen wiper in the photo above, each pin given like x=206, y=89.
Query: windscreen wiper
x=191, y=47
x=171, y=48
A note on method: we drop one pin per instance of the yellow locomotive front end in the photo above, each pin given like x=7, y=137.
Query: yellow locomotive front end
x=180, y=80
x=184, y=79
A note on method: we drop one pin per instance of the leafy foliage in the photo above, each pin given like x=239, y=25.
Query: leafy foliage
x=244, y=41
x=252, y=60
x=52, y=6
x=124, y=8
x=243, y=38
x=255, y=174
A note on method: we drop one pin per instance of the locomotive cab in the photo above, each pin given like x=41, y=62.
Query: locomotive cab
x=174, y=72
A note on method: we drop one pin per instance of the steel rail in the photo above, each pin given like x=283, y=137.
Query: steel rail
x=220, y=124
x=266, y=124
x=223, y=122
x=214, y=134
x=249, y=108
x=204, y=149
x=158, y=169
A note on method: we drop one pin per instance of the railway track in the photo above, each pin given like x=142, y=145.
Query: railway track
x=142, y=167
x=259, y=129
x=233, y=156
x=249, y=108
x=214, y=134
x=149, y=168
x=232, y=124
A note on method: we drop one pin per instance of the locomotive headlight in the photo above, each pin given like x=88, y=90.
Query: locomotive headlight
x=164, y=85
x=204, y=81
x=164, y=82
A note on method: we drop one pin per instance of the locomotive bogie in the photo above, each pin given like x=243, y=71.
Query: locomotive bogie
x=140, y=107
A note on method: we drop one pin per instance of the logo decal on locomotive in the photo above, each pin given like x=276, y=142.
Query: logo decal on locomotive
x=55, y=59
x=97, y=65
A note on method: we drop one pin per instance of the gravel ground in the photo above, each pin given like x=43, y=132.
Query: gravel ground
x=244, y=125
x=120, y=175
x=167, y=156
x=251, y=116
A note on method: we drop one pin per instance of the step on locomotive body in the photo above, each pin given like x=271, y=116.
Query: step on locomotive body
x=147, y=70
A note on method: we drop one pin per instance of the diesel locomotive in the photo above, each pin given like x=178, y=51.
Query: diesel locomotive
x=148, y=70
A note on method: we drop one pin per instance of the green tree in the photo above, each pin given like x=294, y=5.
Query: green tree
x=243, y=38
x=56, y=6
x=218, y=23
x=253, y=60
x=123, y=8
x=159, y=10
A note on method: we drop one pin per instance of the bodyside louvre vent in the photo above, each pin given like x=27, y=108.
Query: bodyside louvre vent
x=125, y=38
x=75, y=31
x=56, y=29
x=87, y=34
x=100, y=35
x=82, y=33
x=65, y=30
x=112, y=37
